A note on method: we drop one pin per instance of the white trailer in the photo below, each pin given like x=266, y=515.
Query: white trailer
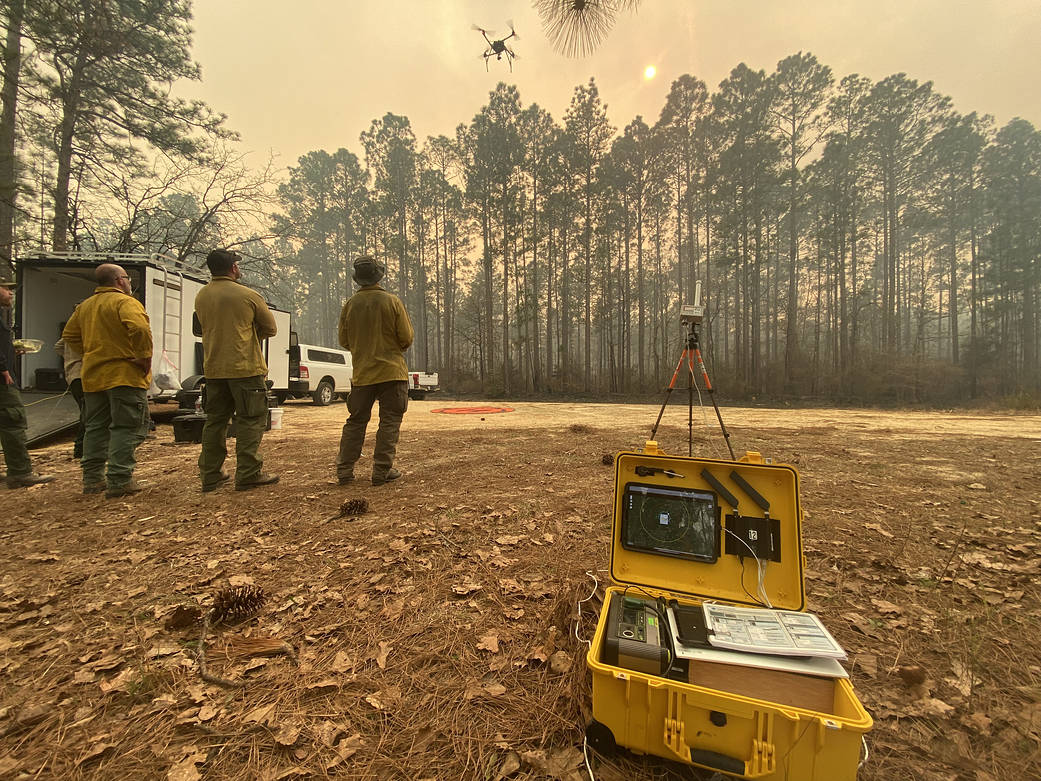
x=50, y=285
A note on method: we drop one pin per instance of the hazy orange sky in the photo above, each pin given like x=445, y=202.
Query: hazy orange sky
x=313, y=74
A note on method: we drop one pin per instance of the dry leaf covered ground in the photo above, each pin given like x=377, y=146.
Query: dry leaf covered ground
x=433, y=636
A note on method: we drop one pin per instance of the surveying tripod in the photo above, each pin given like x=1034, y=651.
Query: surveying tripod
x=691, y=317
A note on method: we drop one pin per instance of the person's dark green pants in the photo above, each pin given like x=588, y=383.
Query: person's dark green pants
x=115, y=422
x=76, y=391
x=393, y=399
x=246, y=398
x=12, y=431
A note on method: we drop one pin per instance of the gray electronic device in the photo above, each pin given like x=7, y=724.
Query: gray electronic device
x=635, y=639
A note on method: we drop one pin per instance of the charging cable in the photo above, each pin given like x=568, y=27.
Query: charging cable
x=589, y=644
x=759, y=564
x=585, y=756
x=578, y=609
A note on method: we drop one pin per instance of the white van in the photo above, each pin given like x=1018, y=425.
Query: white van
x=323, y=373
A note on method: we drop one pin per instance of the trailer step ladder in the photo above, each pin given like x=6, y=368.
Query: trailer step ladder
x=173, y=294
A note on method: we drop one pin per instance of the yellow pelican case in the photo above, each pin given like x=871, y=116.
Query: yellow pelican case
x=741, y=721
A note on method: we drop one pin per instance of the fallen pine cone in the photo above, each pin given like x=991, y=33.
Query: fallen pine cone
x=353, y=507
x=607, y=459
x=236, y=604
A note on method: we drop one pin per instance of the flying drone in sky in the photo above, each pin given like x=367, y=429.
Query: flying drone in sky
x=497, y=47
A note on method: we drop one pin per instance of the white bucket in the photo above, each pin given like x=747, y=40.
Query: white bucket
x=276, y=418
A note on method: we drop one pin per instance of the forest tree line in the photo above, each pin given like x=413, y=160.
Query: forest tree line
x=856, y=240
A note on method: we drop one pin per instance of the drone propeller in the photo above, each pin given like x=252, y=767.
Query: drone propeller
x=513, y=33
x=478, y=29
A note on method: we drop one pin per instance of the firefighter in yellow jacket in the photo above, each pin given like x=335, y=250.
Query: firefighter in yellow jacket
x=233, y=320
x=375, y=327
x=111, y=331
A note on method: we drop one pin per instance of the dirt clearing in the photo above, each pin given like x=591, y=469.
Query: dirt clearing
x=433, y=636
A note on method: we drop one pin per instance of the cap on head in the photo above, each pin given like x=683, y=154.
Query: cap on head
x=220, y=261
x=368, y=270
x=10, y=284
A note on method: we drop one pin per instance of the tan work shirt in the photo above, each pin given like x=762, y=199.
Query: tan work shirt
x=73, y=360
x=234, y=319
x=375, y=327
x=110, y=329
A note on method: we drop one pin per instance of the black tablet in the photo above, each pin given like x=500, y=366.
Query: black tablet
x=680, y=522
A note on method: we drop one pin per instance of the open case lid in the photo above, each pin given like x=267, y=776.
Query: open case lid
x=703, y=528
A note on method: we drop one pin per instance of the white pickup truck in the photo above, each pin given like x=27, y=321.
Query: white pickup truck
x=323, y=373
x=421, y=383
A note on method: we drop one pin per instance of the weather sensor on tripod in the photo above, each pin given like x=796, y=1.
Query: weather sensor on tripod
x=693, y=314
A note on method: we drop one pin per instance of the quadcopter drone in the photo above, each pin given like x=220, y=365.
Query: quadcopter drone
x=497, y=48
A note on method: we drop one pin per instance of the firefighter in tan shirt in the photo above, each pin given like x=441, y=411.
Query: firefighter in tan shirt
x=375, y=328
x=111, y=331
x=233, y=320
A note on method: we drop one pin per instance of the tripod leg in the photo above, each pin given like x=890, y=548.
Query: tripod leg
x=668, y=391
x=712, y=395
x=690, y=402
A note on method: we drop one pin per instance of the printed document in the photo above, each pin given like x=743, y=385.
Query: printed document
x=761, y=631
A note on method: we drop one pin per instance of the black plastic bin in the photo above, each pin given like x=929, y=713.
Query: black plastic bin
x=50, y=379
x=188, y=428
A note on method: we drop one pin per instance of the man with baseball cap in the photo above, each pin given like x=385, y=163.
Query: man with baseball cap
x=375, y=328
x=233, y=320
x=13, y=423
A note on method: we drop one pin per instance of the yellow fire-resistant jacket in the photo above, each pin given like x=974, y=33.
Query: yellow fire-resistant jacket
x=110, y=329
x=234, y=319
x=375, y=327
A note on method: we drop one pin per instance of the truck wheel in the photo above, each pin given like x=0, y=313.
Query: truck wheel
x=416, y=395
x=323, y=394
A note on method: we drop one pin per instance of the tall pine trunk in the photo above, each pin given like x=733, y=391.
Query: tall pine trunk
x=9, y=99
x=66, y=132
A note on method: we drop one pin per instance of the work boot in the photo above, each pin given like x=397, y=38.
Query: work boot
x=221, y=480
x=24, y=481
x=94, y=488
x=262, y=479
x=385, y=477
x=344, y=479
x=116, y=491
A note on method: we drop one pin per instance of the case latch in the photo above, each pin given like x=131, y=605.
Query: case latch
x=764, y=757
x=675, y=730
x=650, y=448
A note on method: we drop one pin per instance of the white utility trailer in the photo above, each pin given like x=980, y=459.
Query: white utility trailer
x=50, y=285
